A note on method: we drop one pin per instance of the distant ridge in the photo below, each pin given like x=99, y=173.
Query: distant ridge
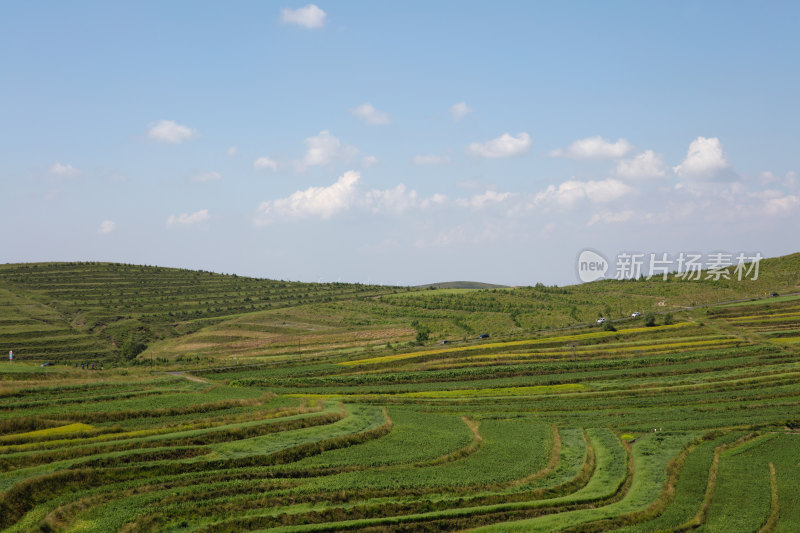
x=462, y=285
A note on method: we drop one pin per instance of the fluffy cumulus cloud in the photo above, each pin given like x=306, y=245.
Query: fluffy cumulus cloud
x=342, y=196
x=459, y=111
x=480, y=201
x=265, y=163
x=646, y=165
x=369, y=115
x=106, y=227
x=207, y=176
x=322, y=202
x=64, y=170
x=170, y=132
x=310, y=17
x=705, y=159
x=504, y=146
x=430, y=159
x=324, y=149
x=594, y=148
x=187, y=220
x=572, y=191
x=232, y=151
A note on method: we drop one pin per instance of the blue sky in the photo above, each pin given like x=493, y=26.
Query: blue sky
x=396, y=143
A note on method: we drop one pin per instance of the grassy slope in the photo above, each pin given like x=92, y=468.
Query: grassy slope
x=547, y=431
x=74, y=310
x=87, y=310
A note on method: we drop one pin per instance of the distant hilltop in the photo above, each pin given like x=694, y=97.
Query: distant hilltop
x=462, y=285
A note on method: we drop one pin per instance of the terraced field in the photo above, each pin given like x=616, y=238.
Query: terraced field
x=691, y=424
x=89, y=311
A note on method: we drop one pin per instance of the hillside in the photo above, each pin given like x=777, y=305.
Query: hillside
x=585, y=430
x=77, y=311
x=74, y=311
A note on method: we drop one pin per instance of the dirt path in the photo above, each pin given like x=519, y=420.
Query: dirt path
x=188, y=376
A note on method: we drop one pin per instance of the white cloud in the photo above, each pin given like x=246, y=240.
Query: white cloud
x=775, y=202
x=67, y=171
x=232, y=151
x=609, y=217
x=310, y=16
x=394, y=200
x=323, y=149
x=370, y=115
x=459, y=111
x=436, y=199
x=571, y=191
x=167, y=131
x=479, y=201
x=185, y=219
x=789, y=180
x=106, y=227
x=430, y=159
x=594, y=148
x=207, y=176
x=504, y=146
x=704, y=159
x=341, y=196
x=648, y=164
x=322, y=202
x=265, y=162
x=369, y=161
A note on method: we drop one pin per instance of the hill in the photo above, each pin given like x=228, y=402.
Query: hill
x=60, y=311
x=691, y=423
x=462, y=285
x=75, y=311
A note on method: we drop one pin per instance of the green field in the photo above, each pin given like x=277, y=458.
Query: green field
x=254, y=405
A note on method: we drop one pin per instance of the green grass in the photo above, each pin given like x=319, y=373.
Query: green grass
x=317, y=411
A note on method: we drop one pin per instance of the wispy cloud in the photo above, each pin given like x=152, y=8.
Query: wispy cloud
x=265, y=162
x=459, y=111
x=369, y=115
x=309, y=17
x=170, y=132
x=106, y=227
x=646, y=165
x=207, y=176
x=594, y=148
x=571, y=191
x=186, y=219
x=323, y=149
x=430, y=159
x=479, y=201
x=64, y=170
x=504, y=146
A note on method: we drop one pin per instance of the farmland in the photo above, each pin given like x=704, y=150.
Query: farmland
x=257, y=405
